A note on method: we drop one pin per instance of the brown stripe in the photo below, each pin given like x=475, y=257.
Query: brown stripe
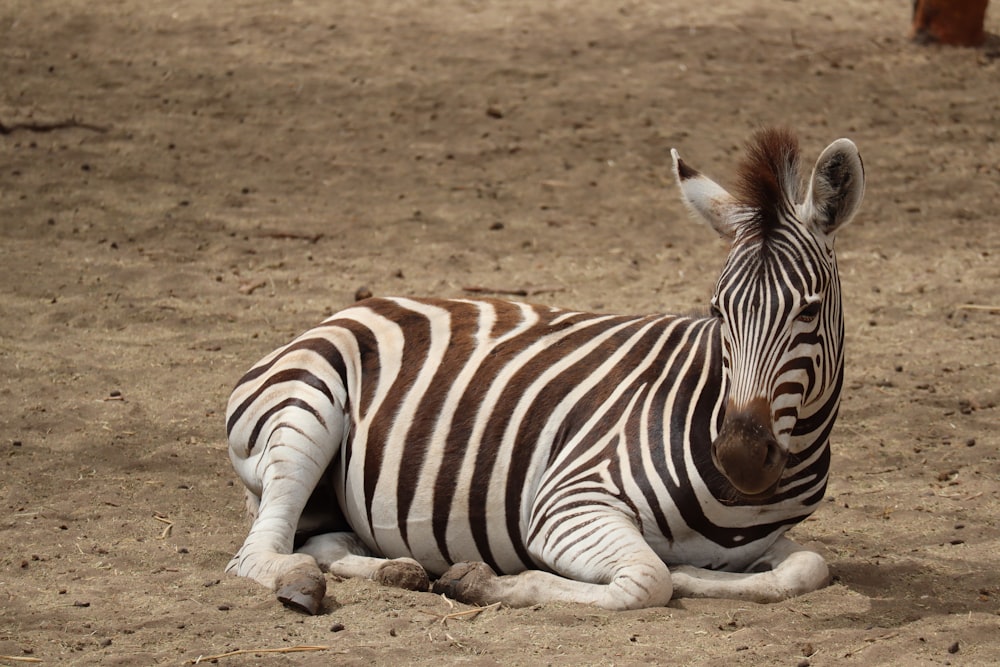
x=417, y=439
x=416, y=342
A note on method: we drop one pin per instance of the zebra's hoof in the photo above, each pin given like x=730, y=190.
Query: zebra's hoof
x=403, y=573
x=467, y=582
x=302, y=590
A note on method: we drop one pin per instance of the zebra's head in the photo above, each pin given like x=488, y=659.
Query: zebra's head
x=778, y=302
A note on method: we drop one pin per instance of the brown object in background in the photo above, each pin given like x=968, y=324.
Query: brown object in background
x=953, y=22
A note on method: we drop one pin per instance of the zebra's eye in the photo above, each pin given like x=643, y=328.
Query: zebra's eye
x=809, y=313
x=716, y=313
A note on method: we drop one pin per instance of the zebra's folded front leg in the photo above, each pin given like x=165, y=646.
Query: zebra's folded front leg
x=786, y=570
x=286, y=471
x=602, y=561
x=634, y=587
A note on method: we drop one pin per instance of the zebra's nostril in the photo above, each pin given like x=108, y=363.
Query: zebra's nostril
x=774, y=455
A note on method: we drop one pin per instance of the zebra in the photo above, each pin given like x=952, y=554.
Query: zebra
x=524, y=454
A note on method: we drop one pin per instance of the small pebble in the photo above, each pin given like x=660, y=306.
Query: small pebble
x=336, y=627
x=953, y=648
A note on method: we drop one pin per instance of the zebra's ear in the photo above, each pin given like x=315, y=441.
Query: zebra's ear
x=837, y=186
x=705, y=197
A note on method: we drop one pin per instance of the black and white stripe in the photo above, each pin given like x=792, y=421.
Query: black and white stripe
x=586, y=452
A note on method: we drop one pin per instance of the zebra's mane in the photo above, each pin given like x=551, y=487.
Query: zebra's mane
x=769, y=180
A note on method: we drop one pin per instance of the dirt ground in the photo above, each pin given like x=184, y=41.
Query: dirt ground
x=185, y=186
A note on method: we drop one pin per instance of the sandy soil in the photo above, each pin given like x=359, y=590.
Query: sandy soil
x=217, y=177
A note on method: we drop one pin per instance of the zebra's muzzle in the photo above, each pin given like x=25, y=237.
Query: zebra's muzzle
x=747, y=453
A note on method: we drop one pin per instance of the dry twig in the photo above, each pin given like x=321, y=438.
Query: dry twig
x=248, y=651
x=444, y=618
x=312, y=238
x=166, y=531
x=251, y=286
x=39, y=126
x=869, y=641
x=18, y=658
x=515, y=291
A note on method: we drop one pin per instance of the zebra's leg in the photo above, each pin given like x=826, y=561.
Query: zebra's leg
x=344, y=555
x=786, y=570
x=293, y=456
x=601, y=559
